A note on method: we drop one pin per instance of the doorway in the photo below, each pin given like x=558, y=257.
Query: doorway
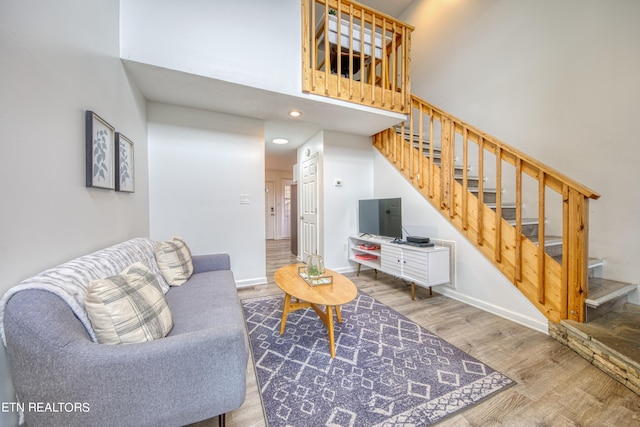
x=270, y=209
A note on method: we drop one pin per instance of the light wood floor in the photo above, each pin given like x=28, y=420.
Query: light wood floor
x=555, y=386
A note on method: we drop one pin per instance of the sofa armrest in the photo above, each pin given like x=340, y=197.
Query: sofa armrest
x=175, y=380
x=211, y=262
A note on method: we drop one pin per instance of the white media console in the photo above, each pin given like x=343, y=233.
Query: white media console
x=424, y=267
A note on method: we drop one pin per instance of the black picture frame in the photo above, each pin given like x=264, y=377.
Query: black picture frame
x=125, y=176
x=100, y=152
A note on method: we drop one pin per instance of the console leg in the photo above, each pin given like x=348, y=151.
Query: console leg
x=358, y=273
x=221, y=420
x=413, y=291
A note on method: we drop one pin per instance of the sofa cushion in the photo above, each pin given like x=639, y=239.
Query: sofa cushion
x=129, y=307
x=174, y=260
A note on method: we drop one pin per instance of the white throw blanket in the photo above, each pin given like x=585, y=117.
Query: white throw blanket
x=69, y=280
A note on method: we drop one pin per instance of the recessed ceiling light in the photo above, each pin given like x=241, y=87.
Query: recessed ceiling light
x=295, y=113
x=280, y=140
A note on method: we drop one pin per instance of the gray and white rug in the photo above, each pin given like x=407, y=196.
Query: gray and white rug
x=388, y=371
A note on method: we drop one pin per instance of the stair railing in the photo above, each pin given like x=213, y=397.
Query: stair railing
x=356, y=54
x=454, y=152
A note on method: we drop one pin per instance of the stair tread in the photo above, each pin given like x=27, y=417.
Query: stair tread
x=548, y=240
x=618, y=330
x=603, y=290
x=525, y=221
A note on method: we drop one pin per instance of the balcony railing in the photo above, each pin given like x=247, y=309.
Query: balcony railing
x=353, y=53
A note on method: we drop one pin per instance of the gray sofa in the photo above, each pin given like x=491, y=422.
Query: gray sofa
x=63, y=377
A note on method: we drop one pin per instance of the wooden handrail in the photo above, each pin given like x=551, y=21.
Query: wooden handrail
x=354, y=53
x=558, y=289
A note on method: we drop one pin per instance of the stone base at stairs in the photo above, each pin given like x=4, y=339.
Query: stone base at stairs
x=611, y=346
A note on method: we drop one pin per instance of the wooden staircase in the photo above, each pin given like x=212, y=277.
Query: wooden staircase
x=543, y=249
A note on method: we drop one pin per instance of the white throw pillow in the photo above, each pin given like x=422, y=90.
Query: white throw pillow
x=128, y=308
x=174, y=260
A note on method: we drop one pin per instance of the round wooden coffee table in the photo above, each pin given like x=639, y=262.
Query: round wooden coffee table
x=332, y=295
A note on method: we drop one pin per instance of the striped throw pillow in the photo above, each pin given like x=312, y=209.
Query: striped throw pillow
x=174, y=260
x=128, y=308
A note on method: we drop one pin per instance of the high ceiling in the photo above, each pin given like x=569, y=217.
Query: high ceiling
x=167, y=86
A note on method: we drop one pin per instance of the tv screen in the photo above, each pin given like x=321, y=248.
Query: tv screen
x=380, y=217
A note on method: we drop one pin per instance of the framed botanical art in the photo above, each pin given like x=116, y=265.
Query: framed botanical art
x=100, y=148
x=125, y=180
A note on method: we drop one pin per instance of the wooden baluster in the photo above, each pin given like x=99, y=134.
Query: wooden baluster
x=445, y=149
x=362, y=65
x=308, y=51
x=394, y=71
x=327, y=53
x=383, y=64
x=518, y=261
x=351, y=51
x=420, y=146
x=373, y=57
x=498, y=245
x=430, y=162
x=480, y=190
x=452, y=169
x=465, y=178
x=407, y=68
x=541, y=232
x=339, y=50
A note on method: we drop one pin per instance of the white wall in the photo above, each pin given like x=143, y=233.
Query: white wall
x=200, y=163
x=347, y=158
x=58, y=60
x=478, y=282
x=557, y=80
x=207, y=38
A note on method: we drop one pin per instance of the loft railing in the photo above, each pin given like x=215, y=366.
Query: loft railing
x=356, y=54
x=454, y=155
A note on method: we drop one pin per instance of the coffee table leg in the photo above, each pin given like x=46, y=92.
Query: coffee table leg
x=285, y=312
x=330, y=328
x=338, y=315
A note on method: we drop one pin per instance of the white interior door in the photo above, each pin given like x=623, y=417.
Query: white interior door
x=270, y=209
x=309, y=207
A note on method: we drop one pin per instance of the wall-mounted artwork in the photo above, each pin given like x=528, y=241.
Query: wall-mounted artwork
x=124, y=164
x=100, y=147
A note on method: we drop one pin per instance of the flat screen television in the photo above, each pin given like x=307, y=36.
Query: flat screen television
x=380, y=217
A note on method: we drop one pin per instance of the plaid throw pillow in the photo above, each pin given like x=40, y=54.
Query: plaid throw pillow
x=174, y=260
x=128, y=308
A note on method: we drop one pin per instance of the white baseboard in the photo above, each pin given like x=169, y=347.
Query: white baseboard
x=534, y=324
x=246, y=283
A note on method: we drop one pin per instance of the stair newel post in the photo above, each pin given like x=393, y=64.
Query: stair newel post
x=519, y=237
x=575, y=238
x=542, y=183
x=465, y=178
x=498, y=222
x=480, y=190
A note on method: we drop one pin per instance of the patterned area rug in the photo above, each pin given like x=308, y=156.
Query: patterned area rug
x=388, y=371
